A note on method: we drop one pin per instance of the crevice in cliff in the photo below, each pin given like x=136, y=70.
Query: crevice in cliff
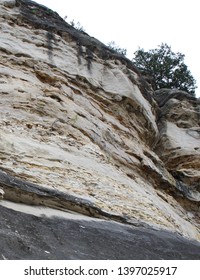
x=50, y=40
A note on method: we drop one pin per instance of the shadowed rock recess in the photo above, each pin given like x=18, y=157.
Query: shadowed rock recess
x=88, y=152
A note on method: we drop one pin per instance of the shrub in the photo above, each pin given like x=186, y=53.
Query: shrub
x=165, y=69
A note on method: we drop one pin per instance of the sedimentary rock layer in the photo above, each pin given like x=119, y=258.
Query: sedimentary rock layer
x=81, y=129
x=44, y=233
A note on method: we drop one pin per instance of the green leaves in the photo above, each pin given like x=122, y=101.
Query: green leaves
x=165, y=68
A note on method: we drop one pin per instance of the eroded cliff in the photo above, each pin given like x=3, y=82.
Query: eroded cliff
x=81, y=129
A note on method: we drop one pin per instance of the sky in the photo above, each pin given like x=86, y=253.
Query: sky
x=139, y=23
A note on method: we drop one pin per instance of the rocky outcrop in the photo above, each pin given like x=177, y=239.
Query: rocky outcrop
x=178, y=145
x=80, y=129
x=45, y=233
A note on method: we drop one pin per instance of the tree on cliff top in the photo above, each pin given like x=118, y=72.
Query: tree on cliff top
x=165, y=69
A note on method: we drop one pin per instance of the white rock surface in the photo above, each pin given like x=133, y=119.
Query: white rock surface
x=180, y=138
x=83, y=128
x=1, y=193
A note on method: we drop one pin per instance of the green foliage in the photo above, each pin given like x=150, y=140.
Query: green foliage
x=50, y=12
x=165, y=69
x=112, y=45
x=34, y=10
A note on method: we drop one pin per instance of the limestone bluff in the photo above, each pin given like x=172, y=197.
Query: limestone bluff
x=81, y=129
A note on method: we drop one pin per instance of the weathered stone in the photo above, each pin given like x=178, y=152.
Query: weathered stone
x=85, y=134
x=8, y=3
x=179, y=144
x=1, y=193
x=44, y=233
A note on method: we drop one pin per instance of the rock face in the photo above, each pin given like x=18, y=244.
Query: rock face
x=81, y=130
x=179, y=142
x=1, y=194
x=60, y=235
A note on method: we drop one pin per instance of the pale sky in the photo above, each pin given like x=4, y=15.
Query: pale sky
x=139, y=23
